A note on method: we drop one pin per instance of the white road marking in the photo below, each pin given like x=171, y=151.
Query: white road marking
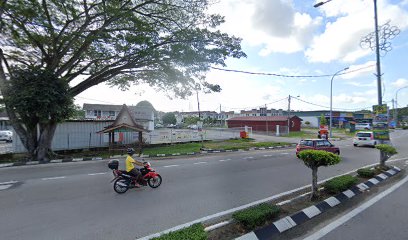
x=284, y=153
x=53, y=178
x=10, y=182
x=224, y=160
x=5, y=186
x=268, y=155
x=171, y=166
x=322, y=232
x=200, y=163
x=93, y=174
x=248, y=157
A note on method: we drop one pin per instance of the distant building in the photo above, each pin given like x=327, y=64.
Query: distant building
x=265, y=123
x=143, y=113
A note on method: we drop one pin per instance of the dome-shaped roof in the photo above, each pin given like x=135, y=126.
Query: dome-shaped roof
x=145, y=104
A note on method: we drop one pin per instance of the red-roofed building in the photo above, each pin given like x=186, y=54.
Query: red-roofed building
x=265, y=123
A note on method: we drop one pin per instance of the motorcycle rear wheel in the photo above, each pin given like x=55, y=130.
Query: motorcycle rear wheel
x=121, y=185
x=155, y=182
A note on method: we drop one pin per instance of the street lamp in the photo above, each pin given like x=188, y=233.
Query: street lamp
x=331, y=99
x=377, y=49
x=396, y=103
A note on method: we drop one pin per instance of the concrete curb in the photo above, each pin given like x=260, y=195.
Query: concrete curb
x=4, y=165
x=308, y=213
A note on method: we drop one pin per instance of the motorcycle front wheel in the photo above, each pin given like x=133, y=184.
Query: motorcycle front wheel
x=154, y=182
x=121, y=185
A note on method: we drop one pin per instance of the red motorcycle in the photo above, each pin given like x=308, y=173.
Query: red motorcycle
x=123, y=181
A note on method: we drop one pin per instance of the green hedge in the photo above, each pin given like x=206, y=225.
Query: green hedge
x=366, y=172
x=256, y=216
x=195, y=232
x=339, y=184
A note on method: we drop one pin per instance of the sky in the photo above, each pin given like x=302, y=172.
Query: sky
x=292, y=38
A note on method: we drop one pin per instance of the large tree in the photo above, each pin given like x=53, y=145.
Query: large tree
x=169, y=44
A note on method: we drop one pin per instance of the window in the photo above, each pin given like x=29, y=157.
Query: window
x=327, y=143
x=111, y=113
x=320, y=144
x=97, y=113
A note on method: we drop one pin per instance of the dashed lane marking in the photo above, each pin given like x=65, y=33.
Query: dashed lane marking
x=224, y=160
x=267, y=155
x=53, y=178
x=93, y=174
x=168, y=166
x=199, y=163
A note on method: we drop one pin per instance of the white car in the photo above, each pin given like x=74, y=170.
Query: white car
x=363, y=126
x=365, y=138
x=6, y=136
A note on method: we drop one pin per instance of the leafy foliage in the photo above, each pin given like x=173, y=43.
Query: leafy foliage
x=387, y=149
x=323, y=120
x=318, y=158
x=366, y=172
x=169, y=118
x=256, y=216
x=38, y=95
x=195, y=232
x=339, y=184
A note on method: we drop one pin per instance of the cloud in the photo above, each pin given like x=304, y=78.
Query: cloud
x=273, y=25
x=400, y=83
x=356, y=71
x=348, y=22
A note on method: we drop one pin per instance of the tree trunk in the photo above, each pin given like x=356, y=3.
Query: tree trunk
x=383, y=157
x=314, y=194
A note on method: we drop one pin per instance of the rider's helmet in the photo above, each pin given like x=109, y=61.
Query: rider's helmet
x=130, y=151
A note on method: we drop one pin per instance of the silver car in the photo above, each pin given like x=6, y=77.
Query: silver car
x=365, y=138
x=6, y=136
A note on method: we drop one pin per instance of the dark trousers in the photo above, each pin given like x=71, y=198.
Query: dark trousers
x=136, y=173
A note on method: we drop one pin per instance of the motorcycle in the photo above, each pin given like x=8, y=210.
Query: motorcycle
x=123, y=181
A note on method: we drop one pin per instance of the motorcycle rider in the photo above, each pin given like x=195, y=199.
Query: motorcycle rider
x=131, y=169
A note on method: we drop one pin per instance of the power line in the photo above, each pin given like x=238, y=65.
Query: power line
x=314, y=104
x=289, y=76
x=258, y=105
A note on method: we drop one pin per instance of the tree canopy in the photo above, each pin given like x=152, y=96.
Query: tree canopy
x=170, y=45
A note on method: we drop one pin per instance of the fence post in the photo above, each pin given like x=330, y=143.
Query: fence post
x=89, y=146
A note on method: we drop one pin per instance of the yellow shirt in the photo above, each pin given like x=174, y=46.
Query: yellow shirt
x=129, y=163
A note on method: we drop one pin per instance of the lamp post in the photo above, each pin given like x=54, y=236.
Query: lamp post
x=396, y=104
x=331, y=99
x=377, y=48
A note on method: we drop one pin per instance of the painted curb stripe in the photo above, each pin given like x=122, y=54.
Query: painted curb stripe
x=379, y=178
x=387, y=174
x=300, y=218
x=369, y=184
x=349, y=193
x=323, y=206
x=374, y=181
x=341, y=197
x=332, y=201
x=383, y=176
x=311, y=211
x=355, y=190
x=248, y=236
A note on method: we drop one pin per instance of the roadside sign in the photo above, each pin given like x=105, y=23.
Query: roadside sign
x=380, y=122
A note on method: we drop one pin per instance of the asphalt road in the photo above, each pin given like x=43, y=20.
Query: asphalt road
x=76, y=200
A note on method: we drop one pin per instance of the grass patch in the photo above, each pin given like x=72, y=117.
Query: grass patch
x=339, y=184
x=302, y=134
x=170, y=149
x=256, y=216
x=235, y=144
x=195, y=232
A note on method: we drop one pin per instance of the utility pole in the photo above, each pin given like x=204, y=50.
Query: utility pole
x=377, y=53
x=288, y=114
x=394, y=111
x=198, y=102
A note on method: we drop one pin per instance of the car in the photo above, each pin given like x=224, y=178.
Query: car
x=6, y=136
x=364, y=138
x=316, y=144
x=363, y=126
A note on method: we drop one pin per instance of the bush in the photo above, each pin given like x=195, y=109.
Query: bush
x=389, y=150
x=256, y=216
x=405, y=127
x=339, y=184
x=195, y=232
x=366, y=172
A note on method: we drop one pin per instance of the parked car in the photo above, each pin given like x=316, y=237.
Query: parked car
x=6, y=136
x=363, y=126
x=316, y=144
x=365, y=138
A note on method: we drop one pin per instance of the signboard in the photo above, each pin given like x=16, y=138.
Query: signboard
x=380, y=122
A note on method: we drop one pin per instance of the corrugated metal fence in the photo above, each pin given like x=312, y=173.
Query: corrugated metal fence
x=83, y=135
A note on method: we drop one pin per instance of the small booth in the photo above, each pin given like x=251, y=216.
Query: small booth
x=124, y=123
